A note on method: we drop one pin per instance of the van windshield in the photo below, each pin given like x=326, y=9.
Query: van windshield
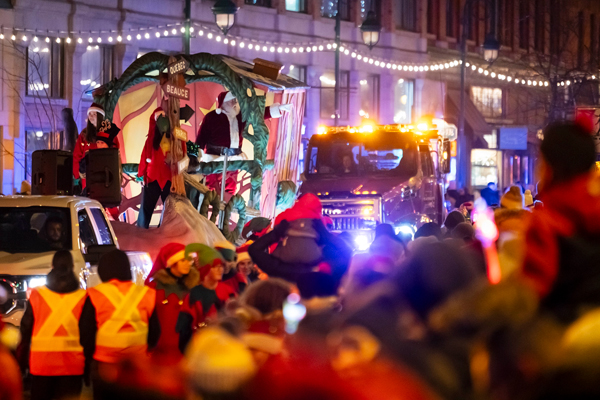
x=344, y=155
x=34, y=229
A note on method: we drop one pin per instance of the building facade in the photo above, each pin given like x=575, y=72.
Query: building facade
x=53, y=53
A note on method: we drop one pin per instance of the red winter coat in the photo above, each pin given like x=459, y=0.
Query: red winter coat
x=170, y=293
x=214, y=130
x=569, y=208
x=156, y=169
x=82, y=146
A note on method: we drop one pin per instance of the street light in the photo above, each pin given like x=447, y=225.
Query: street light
x=224, y=11
x=370, y=29
x=491, y=47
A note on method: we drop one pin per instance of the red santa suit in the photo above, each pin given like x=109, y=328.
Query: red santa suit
x=220, y=130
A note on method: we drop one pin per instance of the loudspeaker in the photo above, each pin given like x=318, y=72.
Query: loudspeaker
x=103, y=176
x=52, y=172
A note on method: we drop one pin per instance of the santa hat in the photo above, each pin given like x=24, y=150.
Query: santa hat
x=223, y=97
x=242, y=252
x=227, y=250
x=513, y=199
x=204, y=257
x=95, y=107
x=167, y=257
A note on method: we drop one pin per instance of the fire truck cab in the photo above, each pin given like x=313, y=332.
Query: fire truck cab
x=379, y=174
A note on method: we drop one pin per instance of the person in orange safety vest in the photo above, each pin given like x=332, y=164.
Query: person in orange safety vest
x=118, y=320
x=50, y=345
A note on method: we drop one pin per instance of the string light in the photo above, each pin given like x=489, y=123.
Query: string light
x=157, y=34
x=1, y=36
x=68, y=40
x=47, y=39
x=174, y=31
x=24, y=38
x=129, y=38
x=166, y=33
x=147, y=35
x=191, y=29
x=138, y=36
x=90, y=40
x=79, y=40
x=99, y=40
x=57, y=40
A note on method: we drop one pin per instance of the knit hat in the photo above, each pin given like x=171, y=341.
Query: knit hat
x=528, y=198
x=95, y=107
x=168, y=255
x=256, y=227
x=454, y=218
x=218, y=362
x=568, y=149
x=227, y=250
x=204, y=258
x=114, y=265
x=464, y=231
x=223, y=97
x=242, y=252
x=513, y=199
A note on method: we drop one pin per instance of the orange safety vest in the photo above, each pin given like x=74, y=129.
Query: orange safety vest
x=55, y=348
x=123, y=310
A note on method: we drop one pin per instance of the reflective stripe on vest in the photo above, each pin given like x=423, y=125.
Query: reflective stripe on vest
x=61, y=309
x=126, y=312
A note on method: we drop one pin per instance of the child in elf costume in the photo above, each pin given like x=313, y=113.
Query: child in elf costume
x=204, y=301
x=172, y=277
x=231, y=276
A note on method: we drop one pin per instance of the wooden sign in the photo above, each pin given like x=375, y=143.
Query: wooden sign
x=177, y=91
x=179, y=67
x=180, y=134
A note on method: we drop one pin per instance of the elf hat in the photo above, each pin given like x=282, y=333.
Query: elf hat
x=242, y=252
x=168, y=256
x=223, y=97
x=513, y=199
x=227, y=250
x=95, y=107
x=204, y=257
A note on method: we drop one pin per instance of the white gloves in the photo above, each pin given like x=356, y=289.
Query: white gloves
x=276, y=109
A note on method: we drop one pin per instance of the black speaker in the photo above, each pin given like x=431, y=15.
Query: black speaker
x=52, y=172
x=103, y=176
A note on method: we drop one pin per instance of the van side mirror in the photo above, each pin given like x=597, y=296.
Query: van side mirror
x=445, y=157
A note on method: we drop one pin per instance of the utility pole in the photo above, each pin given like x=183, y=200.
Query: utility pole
x=338, y=26
x=187, y=24
x=463, y=157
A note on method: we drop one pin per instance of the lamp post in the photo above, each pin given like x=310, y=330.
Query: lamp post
x=370, y=28
x=224, y=11
x=491, y=46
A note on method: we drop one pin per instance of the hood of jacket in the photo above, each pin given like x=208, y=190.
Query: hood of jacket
x=189, y=281
x=62, y=281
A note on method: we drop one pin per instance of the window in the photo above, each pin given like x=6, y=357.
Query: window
x=405, y=14
x=505, y=22
x=593, y=42
x=328, y=95
x=87, y=236
x=329, y=9
x=488, y=101
x=296, y=6
x=365, y=7
x=540, y=25
x=297, y=72
x=581, y=40
x=403, y=101
x=45, y=68
x=555, y=22
x=34, y=229
x=103, y=229
x=433, y=17
x=369, y=97
x=452, y=18
x=484, y=167
x=473, y=27
x=96, y=68
x=524, y=25
x=262, y=3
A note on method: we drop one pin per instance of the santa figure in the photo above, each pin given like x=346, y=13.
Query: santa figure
x=222, y=129
x=94, y=136
x=154, y=169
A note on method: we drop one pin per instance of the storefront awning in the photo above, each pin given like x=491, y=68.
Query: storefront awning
x=474, y=121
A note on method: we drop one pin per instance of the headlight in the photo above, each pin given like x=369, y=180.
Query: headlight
x=36, y=282
x=362, y=242
x=406, y=230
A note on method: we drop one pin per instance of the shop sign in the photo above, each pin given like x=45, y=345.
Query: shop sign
x=513, y=138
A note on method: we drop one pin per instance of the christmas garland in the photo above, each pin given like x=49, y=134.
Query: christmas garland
x=235, y=202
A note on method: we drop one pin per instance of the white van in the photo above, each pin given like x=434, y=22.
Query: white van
x=33, y=228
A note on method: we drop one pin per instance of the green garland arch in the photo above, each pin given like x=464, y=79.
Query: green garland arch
x=252, y=106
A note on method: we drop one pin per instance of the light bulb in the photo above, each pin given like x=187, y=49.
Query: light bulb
x=79, y=40
x=99, y=40
x=218, y=38
x=321, y=48
x=225, y=41
x=90, y=40
x=57, y=40
x=69, y=40
x=147, y=35
x=191, y=29
x=242, y=45
x=13, y=37
x=157, y=34
x=174, y=31
x=200, y=33
x=110, y=39
x=314, y=48
x=210, y=36
x=280, y=49
x=35, y=39
x=47, y=39
x=129, y=38
x=24, y=38
x=287, y=49
x=138, y=37
x=232, y=42
x=182, y=30
x=119, y=38
x=166, y=33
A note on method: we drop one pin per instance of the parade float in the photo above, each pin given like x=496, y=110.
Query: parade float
x=186, y=87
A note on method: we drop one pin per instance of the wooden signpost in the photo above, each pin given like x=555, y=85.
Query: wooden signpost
x=175, y=89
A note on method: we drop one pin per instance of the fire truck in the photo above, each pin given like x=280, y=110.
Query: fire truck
x=374, y=174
